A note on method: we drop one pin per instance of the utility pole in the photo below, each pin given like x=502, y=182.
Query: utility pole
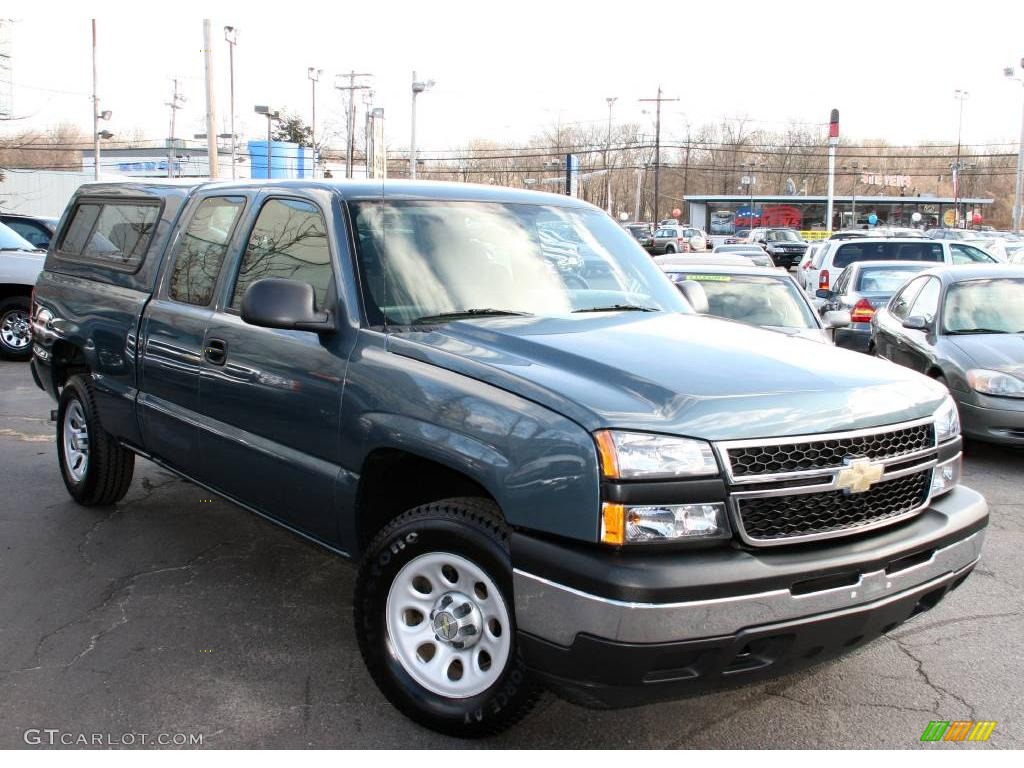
x=657, y=148
x=95, y=111
x=231, y=36
x=314, y=77
x=211, y=102
x=352, y=87
x=176, y=103
x=960, y=96
x=686, y=165
x=607, y=172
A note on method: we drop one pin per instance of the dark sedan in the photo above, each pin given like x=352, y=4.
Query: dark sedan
x=964, y=326
x=861, y=289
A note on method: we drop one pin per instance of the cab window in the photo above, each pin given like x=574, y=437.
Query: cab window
x=200, y=251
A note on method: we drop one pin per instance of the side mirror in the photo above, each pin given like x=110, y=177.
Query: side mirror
x=839, y=318
x=276, y=302
x=823, y=293
x=693, y=292
x=916, y=323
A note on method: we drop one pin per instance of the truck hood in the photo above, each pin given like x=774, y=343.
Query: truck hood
x=678, y=374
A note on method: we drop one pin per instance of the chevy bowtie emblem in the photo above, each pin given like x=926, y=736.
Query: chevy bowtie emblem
x=859, y=475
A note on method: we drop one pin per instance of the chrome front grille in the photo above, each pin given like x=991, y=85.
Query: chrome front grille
x=811, y=514
x=796, y=489
x=784, y=457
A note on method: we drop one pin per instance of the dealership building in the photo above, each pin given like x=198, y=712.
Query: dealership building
x=724, y=214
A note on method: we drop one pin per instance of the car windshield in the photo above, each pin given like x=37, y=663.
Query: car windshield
x=783, y=236
x=885, y=279
x=12, y=241
x=887, y=251
x=428, y=259
x=990, y=305
x=755, y=299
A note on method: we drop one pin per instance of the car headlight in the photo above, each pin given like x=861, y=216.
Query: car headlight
x=947, y=421
x=995, y=383
x=643, y=456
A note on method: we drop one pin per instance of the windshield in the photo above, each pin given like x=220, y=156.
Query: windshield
x=993, y=305
x=12, y=241
x=783, y=236
x=885, y=279
x=887, y=251
x=425, y=259
x=754, y=299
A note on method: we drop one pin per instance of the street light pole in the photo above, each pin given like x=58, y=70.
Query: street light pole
x=608, y=143
x=1019, y=186
x=418, y=87
x=95, y=111
x=231, y=36
x=833, y=142
x=960, y=96
x=314, y=77
x=271, y=115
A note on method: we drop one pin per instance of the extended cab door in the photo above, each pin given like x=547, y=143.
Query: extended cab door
x=173, y=327
x=270, y=399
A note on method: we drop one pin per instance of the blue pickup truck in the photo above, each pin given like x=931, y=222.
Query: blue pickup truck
x=543, y=481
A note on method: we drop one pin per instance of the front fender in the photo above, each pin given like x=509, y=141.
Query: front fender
x=539, y=466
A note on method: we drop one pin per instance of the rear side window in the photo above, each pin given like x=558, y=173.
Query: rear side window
x=900, y=305
x=288, y=240
x=200, y=252
x=115, y=233
x=848, y=253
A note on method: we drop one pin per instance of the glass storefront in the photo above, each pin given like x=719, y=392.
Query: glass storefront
x=726, y=217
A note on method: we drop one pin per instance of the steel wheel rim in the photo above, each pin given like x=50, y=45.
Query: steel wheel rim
x=415, y=625
x=76, y=441
x=15, y=329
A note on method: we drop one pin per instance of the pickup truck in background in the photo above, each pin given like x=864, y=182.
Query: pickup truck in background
x=20, y=265
x=542, y=482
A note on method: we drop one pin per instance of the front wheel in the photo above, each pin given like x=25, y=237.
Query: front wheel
x=670, y=249
x=436, y=623
x=15, y=330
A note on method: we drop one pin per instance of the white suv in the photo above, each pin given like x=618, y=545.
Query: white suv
x=823, y=268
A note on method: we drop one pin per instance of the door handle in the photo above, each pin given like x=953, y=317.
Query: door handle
x=216, y=351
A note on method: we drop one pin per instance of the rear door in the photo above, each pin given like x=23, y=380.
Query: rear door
x=271, y=399
x=173, y=328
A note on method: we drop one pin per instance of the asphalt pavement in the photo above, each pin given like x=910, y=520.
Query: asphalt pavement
x=178, y=612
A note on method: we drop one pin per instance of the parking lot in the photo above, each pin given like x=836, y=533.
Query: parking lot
x=176, y=611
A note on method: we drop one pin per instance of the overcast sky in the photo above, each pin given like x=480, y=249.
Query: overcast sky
x=505, y=69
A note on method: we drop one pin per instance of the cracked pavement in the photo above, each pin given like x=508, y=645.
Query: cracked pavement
x=171, y=613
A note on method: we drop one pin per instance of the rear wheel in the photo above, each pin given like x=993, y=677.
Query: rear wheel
x=15, y=331
x=670, y=249
x=436, y=622
x=97, y=471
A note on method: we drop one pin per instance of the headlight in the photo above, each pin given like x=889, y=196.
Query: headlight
x=642, y=456
x=621, y=524
x=995, y=383
x=947, y=421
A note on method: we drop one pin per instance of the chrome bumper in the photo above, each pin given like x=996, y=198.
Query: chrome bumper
x=558, y=613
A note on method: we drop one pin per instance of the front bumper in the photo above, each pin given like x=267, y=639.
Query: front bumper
x=1000, y=420
x=613, y=629
x=856, y=336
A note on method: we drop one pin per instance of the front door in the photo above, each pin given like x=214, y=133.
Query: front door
x=271, y=399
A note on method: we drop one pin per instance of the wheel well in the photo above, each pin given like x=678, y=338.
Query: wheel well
x=67, y=361
x=935, y=372
x=394, y=481
x=9, y=290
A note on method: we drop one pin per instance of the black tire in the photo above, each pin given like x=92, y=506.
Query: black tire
x=472, y=529
x=109, y=468
x=670, y=249
x=15, y=341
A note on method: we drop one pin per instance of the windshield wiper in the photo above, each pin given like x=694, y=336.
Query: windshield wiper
x=618, y=308
x=973, y=330
x=464, y=313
